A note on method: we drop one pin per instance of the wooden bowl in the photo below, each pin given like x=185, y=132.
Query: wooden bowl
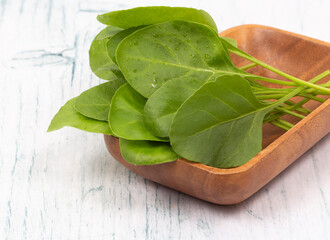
x=297, y=55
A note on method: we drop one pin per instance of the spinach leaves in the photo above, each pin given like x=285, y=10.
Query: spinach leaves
x=126, y=115
x=116, y=39
x=164, y=103
x=143, y=16
x=146, y=152
x=95, y=102
x=69, y=116
x=173, y=90
x=158, y=53
x=220, y=123
x=99, y=60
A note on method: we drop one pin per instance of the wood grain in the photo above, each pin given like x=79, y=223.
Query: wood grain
x=64, y=185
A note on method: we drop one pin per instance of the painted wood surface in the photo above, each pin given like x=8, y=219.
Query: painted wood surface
x=65, y=185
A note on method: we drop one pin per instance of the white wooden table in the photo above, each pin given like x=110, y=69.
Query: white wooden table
x=65, y=185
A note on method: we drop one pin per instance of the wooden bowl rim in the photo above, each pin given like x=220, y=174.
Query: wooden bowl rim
x=247, y=26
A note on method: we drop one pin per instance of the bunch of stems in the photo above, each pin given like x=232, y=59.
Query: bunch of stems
x=306, y=90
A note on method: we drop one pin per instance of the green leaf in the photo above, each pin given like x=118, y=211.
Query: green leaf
x=152, y=15
x=116, y=39
x=95, y=102
x=232, y=47
x=164, y=103
x=68, y=116
x=146, y=152
x=231, y=41
x=99, y=60
x=108, y=32
x=220, y=124
x=155, y=54
x=126, y=115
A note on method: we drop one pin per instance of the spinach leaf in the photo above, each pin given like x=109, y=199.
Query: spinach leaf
x=164, y=103
x=116, y=39
x=146, y=152
x=151, y=15
x=220, y=124
x=108, y=32
x=95, y=102
x=155, y=54
x=99, y=60
x=232, y=47
x=230, y=41
x=126, y=115
x=68, y=116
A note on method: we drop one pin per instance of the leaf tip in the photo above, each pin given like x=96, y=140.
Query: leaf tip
x=50, y=128
x=100, y=18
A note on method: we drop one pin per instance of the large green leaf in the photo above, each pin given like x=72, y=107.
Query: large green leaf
x=99, y=60
x=155, y=54
x=116, y=39
x=146, y=152
x=220, y=124
x=151, y=15
x=68, y=116
x=164, y=103
x=95, y=102
x=126, y=115
x=108, y=32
